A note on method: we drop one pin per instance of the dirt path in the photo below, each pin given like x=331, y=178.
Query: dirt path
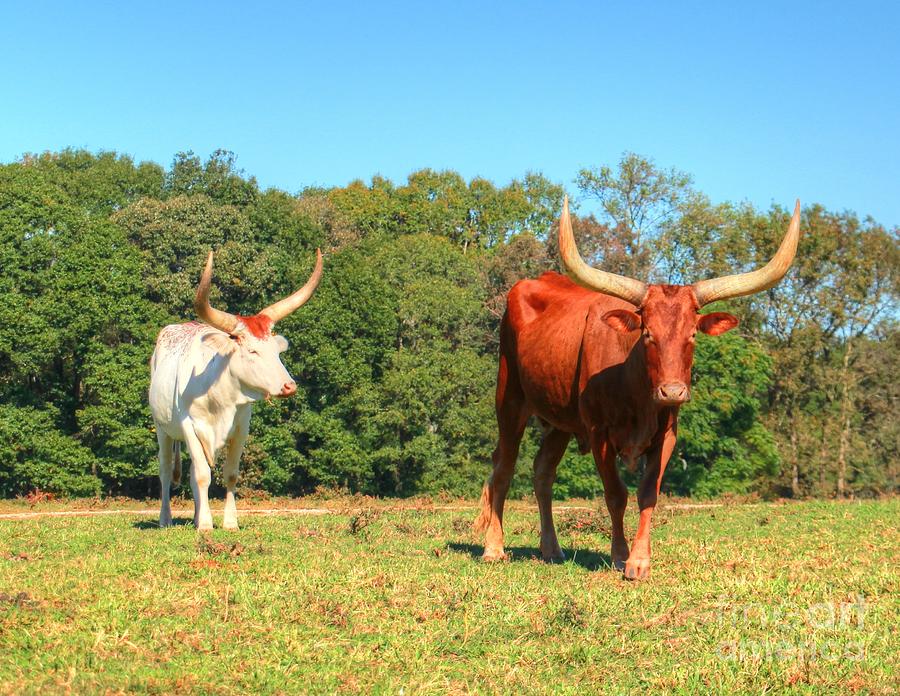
x=298, y=511
x=155, y=511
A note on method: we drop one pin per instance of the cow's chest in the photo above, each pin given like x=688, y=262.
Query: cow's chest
x=633, y=436
x=220, y=423
x=620, y=412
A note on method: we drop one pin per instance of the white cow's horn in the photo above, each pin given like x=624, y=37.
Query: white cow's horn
x=221, y=320
x=279, y=310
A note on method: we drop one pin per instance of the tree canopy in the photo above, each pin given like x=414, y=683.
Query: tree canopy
x=395, y=356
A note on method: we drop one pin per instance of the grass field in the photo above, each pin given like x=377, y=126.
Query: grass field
x=375, y=597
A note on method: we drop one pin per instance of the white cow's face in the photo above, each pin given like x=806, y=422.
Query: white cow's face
x=247, y=341
x=255, y=362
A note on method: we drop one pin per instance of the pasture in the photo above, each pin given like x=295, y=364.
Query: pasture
x=379, y=597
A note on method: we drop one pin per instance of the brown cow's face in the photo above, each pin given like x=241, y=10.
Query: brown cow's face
x=669, y=321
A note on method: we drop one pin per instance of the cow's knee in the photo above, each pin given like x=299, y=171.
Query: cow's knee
x=202, y=478
x=544, y=476
x=616, y=502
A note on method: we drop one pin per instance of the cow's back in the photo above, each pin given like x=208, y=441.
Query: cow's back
x=543, y=333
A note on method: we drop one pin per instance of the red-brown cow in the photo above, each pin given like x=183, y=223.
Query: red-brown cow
x=610, y=363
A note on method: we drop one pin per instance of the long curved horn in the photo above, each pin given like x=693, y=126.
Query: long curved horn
x=623, y=287
x=221, y=320
x=279, y=310
x=755, y=281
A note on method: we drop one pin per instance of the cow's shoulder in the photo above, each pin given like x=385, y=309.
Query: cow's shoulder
x=175, y=338
x=603, y=347
x=550, y=293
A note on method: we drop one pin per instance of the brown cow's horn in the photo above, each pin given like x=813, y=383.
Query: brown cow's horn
x=755, y=281
x=279, y=310
x=221, y=320
x=623, y=287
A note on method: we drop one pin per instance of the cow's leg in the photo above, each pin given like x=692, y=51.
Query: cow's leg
x=511, y=418
x=202, y=458
x=166, y=456
x=232, y=468
x=616, y=496
x=638, y=565
x=176, y=467
x=493, y=495
x=552, y=448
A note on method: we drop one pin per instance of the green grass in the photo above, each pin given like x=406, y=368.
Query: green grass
x=386, y=598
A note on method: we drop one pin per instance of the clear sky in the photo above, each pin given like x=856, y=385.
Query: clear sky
x=759, y=101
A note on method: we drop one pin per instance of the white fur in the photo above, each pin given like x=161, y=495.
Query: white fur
x=203, y=383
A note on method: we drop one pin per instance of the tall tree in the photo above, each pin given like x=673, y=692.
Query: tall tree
x=639, y=202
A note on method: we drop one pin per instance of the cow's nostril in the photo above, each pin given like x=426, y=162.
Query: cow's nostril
x=673, y=392
x=288, y=388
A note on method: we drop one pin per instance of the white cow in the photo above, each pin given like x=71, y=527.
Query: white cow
x=204, y=379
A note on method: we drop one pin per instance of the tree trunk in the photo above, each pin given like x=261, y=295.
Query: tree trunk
x=795, y=460
x=846, y=412
x=823, y=461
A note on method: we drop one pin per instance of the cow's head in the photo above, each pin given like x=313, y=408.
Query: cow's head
x=250, y=343
x=668, y=315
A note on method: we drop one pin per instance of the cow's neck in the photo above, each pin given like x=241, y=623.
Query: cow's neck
x=638, y=386
x=226, y=392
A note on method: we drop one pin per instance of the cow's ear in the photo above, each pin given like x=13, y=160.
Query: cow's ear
x=281, y=343
x=716, y=323
x=622, y=320
x=223, y=344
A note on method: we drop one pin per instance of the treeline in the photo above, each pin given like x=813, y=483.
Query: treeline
x=395, y=356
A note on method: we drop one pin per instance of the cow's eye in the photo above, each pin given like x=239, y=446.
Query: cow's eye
x=648, y=338
x=253, y=352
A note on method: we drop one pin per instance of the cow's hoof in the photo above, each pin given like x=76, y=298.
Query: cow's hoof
x=230, y=526
x=205, y=526
x=554, y=557
x=494, y=556
x=637, y=568
x=619, y=555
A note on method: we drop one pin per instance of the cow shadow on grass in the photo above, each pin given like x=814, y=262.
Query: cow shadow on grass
x=154, y=524
x=585, y=558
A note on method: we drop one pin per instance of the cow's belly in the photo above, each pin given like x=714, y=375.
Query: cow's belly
x=547, y=380
x=549, y=397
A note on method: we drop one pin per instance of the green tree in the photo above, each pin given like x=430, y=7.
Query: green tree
x=640, y=203
x=395, y=354
x=219, y=178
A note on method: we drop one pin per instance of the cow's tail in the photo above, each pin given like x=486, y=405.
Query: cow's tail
x=176, y=463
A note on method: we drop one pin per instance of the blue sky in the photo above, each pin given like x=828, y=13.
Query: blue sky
x=762, y=102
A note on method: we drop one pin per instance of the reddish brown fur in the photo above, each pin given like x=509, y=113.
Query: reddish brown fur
x=577, y=360
x=259, y=325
